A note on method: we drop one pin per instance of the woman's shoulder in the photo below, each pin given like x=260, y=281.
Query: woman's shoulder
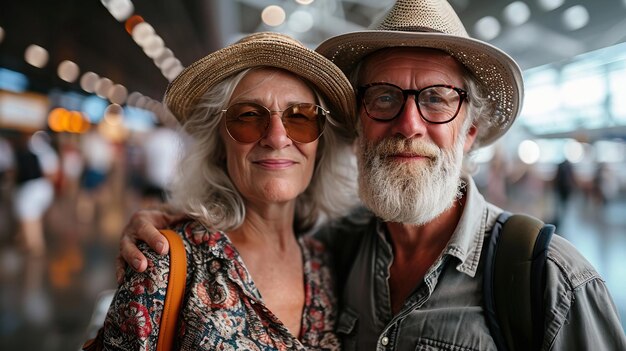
x=202, y=241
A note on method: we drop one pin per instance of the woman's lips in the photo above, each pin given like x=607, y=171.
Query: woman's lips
x=275, y=163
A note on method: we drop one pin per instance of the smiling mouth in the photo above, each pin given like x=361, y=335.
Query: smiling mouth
x=408, y=157
x=275, y=164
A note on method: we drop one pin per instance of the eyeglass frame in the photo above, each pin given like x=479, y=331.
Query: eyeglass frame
x=325, y=114
x=463, y=95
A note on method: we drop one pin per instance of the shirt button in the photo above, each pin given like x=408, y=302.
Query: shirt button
x=384, y=341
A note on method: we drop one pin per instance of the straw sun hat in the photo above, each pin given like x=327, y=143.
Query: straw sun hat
x=256, y=50
x=434, y=24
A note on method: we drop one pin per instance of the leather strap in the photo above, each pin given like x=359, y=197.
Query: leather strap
x=175, y=291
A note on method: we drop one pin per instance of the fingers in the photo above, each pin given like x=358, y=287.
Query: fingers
x=120, y=267
x=132, y=255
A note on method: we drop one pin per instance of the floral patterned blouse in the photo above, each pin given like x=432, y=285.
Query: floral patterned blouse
x=222, y=308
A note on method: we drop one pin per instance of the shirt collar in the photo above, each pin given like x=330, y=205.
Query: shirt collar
x=467, y=240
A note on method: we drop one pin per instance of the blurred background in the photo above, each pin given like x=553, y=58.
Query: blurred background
x=85, y=141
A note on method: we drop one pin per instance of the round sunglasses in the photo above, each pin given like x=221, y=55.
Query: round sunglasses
x=248, y=122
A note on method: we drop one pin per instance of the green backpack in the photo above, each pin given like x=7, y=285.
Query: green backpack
x=514, y=281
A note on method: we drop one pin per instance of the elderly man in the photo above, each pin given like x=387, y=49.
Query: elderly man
x=429, y=95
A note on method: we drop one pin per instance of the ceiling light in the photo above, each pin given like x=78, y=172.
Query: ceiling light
x=36, y=55
x=549, y=5
x=133, y=98
x=529, y=152
x=142, y=33
x=117, y=94
x=131, y=22
x=304, y=2
x=119, y=9
x=173, y=72
x=516, y=13
x=575, y=17
x=88, y=81
x=487, y=28
x=164, y=55
x=300, y=21
x=68, y=71
x=102, y=87
x=273, y=15
x=153, y=46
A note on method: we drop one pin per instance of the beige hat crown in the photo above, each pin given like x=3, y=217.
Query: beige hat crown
x=434, y=24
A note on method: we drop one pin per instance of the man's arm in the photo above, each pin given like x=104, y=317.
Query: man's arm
x=143, y=227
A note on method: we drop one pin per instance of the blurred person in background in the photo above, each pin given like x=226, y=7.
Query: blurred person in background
x=98, y=155
x=268, y=118
x=564, y=184
x=35, y=170
x=162, y=149
x=605, y=184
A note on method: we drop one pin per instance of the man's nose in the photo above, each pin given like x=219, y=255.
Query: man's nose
x=410, y=122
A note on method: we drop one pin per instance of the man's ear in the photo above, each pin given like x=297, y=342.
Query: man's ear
x=471, y=137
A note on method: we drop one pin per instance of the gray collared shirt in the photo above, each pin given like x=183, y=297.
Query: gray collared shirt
x=445, y=311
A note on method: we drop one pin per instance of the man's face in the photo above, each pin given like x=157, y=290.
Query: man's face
x=409, y=169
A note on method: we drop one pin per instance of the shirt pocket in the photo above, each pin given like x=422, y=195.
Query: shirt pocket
x=425, y=344
x=347, y=328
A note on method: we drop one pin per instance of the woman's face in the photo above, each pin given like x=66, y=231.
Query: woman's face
x=274, y=169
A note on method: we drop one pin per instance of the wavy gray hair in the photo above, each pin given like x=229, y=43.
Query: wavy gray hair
x=204, y=190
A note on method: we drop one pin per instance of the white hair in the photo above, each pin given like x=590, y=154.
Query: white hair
x=204, y=190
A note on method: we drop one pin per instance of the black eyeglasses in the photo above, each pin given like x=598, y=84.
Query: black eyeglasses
x=247, y=122
x=437, y=104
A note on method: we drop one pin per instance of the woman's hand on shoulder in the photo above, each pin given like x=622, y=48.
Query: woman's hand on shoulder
x=143, y=227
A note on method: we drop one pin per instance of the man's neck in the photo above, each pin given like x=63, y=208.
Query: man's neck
x=407, y=239
x=415, y=249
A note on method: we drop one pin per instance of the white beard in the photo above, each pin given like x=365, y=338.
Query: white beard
x=409, y=192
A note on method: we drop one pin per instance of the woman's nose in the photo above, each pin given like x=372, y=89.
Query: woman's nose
x=276, y=134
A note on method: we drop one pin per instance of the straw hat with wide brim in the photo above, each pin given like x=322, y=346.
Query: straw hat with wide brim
x=265, y=49
x=434, y=24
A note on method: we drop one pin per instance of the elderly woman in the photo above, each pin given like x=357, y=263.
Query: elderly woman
x=270, y=120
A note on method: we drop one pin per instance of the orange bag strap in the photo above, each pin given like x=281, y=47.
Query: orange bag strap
x=175, y=291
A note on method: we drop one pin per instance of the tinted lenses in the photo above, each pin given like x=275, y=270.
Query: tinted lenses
x=247, y=122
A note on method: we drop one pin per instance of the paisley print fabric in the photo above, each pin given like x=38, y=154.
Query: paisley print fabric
x=222, y=309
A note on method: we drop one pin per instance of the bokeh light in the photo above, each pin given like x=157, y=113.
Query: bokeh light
x=487, y=28
x=119, y=9
x=573, y=151
x=273, y=15
x=131, y=22
x=300, y=21
x=575, y=17
x=102, y=87
x=516, y=13
x=117, y=94
x=88, y=81
x=549, y=5
x=529, y=152
x=142, y=32
x=68, y=71
x=36, y=56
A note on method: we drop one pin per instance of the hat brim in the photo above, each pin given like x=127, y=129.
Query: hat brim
x=265, y=50
x=494, y=69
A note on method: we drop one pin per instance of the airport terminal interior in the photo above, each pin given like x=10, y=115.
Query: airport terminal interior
x=81, y=85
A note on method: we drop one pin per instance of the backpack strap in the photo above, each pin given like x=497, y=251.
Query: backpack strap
x=175, y=291
x=514, y=281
